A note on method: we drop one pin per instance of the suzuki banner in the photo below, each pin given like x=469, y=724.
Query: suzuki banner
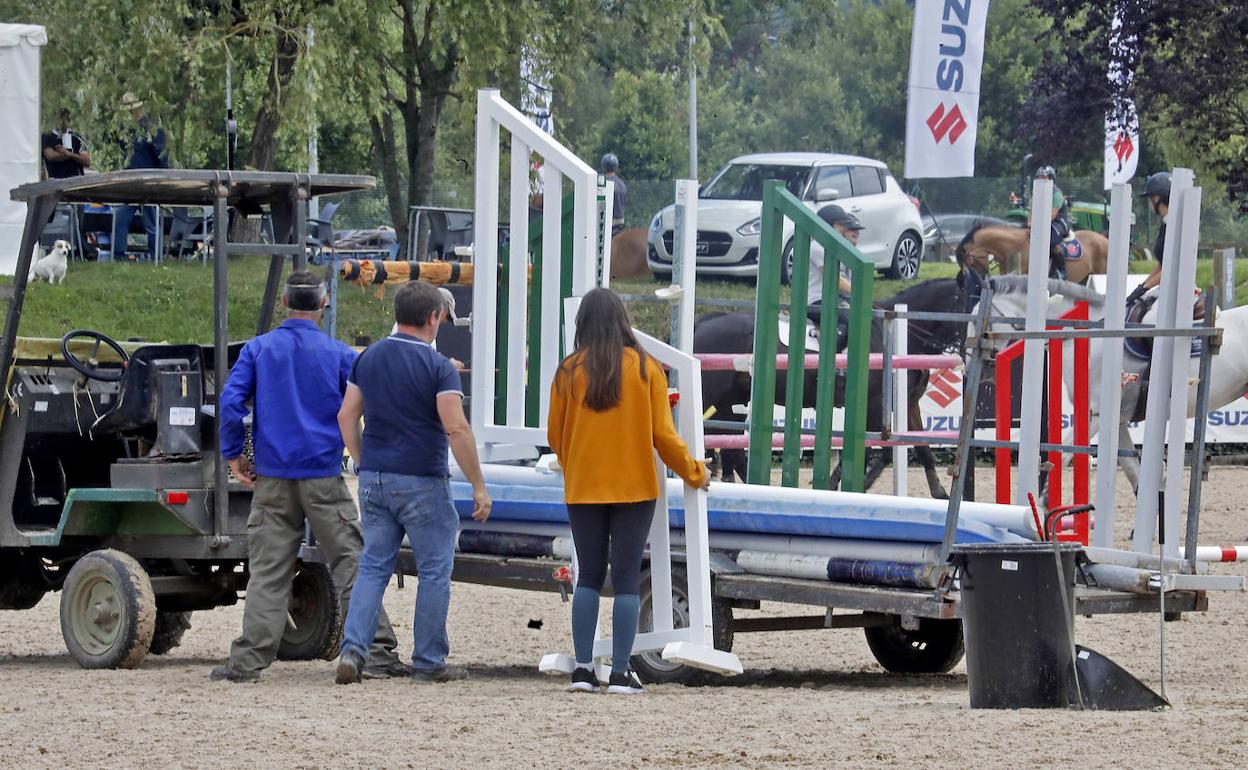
x=946, y=58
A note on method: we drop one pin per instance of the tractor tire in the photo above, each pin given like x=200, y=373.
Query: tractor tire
x=934, y=648
x=108, y=611
x=650, y=666
x=170, y=627
x=317, y=616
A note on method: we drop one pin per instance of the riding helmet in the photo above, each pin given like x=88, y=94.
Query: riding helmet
x=1158, y=184
x=1046, y=172
x=610, y=162
x=833, y=214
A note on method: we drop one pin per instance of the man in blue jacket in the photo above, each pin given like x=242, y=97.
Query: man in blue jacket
x=296, y=376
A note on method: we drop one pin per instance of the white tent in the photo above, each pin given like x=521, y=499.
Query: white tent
x=19, y=130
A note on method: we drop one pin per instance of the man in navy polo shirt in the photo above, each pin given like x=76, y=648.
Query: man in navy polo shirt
x=295, y=375
x=411, y=400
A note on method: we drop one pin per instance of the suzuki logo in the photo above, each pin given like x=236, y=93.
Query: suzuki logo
x=951, y=123
x=945, y=387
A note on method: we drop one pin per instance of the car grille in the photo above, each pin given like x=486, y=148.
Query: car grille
x=710, y=244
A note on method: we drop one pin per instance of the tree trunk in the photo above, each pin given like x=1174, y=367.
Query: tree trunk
x=386, y=153
x=263, y=147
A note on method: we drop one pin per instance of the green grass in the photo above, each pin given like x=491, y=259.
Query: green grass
x=173, y=302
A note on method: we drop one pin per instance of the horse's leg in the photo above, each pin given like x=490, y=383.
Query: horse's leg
x=733, y=463
x=879, y=461
x=834, y=481
x=1130, y=464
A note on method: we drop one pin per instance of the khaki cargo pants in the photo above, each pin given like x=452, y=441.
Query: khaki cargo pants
x=275, y=530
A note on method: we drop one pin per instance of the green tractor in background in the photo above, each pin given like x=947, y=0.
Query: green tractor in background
x=1086, y=215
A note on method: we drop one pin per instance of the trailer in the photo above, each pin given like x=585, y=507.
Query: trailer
x=112, y=490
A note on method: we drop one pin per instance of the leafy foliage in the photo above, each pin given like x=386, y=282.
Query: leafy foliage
x=1190, y=67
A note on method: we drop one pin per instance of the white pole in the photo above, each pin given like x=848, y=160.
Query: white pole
x=607, y=193
x=693, y=106
x=685, y=267
x=1185, y=295
x=1033, y=349
x=901, y=402
x=552, y=266
x=1157, y=411
x=518, y=283
x=485, y=260
x=1110, y=400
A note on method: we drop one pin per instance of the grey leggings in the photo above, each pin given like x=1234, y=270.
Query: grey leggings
x=617, y=530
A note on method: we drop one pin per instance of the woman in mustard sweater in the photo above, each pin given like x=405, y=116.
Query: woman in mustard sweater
x=609, y=412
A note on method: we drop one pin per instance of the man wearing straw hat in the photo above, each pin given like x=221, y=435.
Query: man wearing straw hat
x=144, y=147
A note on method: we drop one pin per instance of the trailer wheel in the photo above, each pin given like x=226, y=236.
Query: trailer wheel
x=317, y=616
x=934, y=648
x=108, y=611
x=170, y=627
x=650, y=666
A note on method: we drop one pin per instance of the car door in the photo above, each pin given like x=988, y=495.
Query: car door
x=875, y=210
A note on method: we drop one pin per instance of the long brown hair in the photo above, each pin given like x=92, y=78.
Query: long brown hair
x=603, y=331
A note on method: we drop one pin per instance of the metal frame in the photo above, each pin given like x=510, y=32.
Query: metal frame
x=287, y=194
x=779, y=204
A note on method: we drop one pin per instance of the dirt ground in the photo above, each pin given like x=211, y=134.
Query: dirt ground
x=808, y=698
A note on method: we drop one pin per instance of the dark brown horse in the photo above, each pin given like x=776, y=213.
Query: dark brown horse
x=734, y=333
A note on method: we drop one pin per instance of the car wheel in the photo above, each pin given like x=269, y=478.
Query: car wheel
x=786, y=264
x=906, y=257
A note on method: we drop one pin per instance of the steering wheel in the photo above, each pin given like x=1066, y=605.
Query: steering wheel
x=91, y=368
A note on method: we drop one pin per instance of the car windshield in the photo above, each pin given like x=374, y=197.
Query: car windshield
x=744, y=181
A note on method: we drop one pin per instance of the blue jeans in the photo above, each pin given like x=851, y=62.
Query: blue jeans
x=121, y=230
x=392, y=505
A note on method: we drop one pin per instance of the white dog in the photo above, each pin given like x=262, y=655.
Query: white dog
x=53, y=265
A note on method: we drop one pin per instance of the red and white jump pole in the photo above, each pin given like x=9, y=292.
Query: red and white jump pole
x=742, y=362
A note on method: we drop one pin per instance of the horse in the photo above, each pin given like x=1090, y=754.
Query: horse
x=734, y=333
x=983, y=243
x=628, y=254
x=1228, y=379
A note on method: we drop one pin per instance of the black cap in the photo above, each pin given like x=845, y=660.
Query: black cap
x=834, y=214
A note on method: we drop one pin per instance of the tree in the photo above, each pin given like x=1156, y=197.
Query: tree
x=421, y=53
x=1189, y=63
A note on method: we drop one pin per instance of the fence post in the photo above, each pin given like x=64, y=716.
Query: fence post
x=901, y=410
x=795, y=372
x=763, y=378
x=854, y=448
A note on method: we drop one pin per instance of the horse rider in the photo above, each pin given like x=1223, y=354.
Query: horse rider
x=611, y=170
x=1060, y=225
x=1157, y=191
x=848, y=226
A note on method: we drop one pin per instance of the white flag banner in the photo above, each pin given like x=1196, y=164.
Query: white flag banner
x=1122, y=125
x=946, y=59
x=1122, y=146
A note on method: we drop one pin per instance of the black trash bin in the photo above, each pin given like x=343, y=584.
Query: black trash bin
x=1016, y=624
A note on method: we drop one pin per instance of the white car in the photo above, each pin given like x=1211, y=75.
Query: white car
x=730, y=208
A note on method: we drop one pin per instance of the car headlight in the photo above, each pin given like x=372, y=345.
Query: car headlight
x=656, y=224
x=753, y=227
